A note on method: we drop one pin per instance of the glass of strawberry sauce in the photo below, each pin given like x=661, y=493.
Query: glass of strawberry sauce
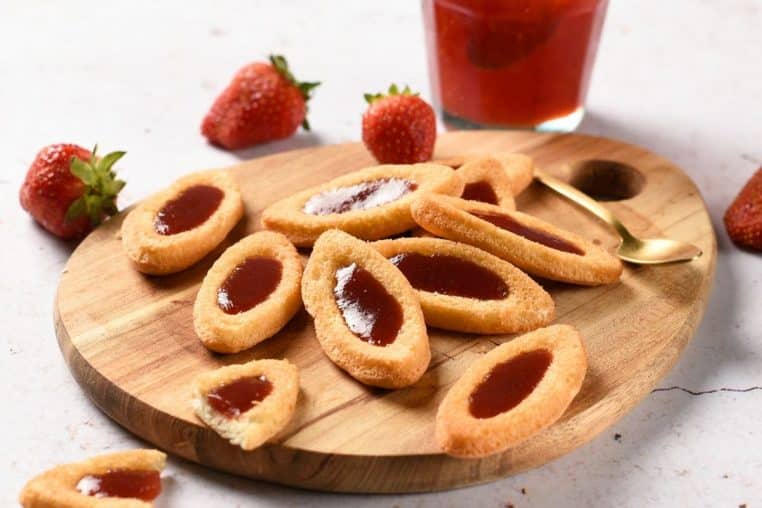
x=512, y=63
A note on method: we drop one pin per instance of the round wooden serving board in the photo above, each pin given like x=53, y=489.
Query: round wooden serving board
x=129, y=339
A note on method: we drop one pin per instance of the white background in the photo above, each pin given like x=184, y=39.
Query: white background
x=680, y=77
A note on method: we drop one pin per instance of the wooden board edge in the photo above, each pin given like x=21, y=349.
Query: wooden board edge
x=430, y=472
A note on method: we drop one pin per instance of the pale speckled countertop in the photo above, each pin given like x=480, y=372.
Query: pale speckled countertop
x=682, y=78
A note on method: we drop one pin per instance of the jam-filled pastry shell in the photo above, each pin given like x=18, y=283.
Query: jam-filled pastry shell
x=176, y=227
x=269, y=389
x=518, y=167
x=371, y=203
x=249, y=294
x=466, y=289
x=511, y=393
x=552, y=252
x=485, y=180
x=367, y=316
x=58, y=487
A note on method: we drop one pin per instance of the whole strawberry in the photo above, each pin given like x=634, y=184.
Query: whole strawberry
x=69, y=190
x=743, y=219
x=399, y=128
x=264, y=102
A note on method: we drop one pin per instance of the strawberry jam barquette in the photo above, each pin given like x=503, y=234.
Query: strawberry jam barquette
x=399, y=127
x=511, y=62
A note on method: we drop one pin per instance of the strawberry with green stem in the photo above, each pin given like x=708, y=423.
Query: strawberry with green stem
x=399, y=127
x=264, y=102
x=69, y=190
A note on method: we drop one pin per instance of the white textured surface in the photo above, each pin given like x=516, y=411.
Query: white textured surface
x=683, y=78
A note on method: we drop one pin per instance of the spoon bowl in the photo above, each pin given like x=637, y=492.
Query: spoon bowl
x=654, y=251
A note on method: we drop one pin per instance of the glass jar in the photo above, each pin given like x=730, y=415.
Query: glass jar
x=512, y=63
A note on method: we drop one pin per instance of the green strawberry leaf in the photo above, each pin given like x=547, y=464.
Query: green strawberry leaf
x=305, y=87
x=281, y=65
x=76, y=209
x=107, y=161
x=109, y=207
x=113, y=187
x=84, y=171
x=393, y=90
x=101, y=187
x=94, y=205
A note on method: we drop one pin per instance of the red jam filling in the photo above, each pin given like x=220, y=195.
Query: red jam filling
x=145, y=485
x=535, y=235
x=237, y=397
x=509, y=383
x=249, y=284
x=189, y=210
x=450, y=275
x=368, y=309
x=361, y=196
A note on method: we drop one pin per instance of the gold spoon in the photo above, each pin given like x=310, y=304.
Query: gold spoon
x=646, y=251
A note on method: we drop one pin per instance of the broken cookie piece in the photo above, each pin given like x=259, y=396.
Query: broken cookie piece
x=250, y=403
x=129, y=479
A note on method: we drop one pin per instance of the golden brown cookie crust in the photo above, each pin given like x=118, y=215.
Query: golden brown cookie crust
x=449, y=218
x=230, y=333
x=518, y=167
x=156, y=254
x=263, y=421
x=489, y=170
x=287, y=216
x=454, y=162
x=460, y=434
x=527, y=306
x=396, y=365
x=57, y=487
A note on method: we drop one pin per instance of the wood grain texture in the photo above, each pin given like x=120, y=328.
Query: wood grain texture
x=129, y=339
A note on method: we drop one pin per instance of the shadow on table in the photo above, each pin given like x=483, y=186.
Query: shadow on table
x=302, y=139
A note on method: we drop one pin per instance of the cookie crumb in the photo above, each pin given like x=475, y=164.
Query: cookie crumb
x=523, y=491
x=618, y=437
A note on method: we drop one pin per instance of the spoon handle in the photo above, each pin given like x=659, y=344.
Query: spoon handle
x=583, y=200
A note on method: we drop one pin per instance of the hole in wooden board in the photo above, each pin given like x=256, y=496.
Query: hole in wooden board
x=606, y=180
